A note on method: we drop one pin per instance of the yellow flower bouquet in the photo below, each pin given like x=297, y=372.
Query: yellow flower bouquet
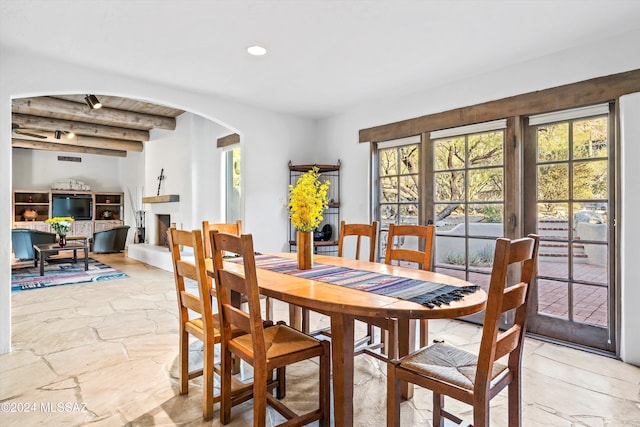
x=307, y=201
x=61, y=224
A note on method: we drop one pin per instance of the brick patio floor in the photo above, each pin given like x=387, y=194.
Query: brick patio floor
x=590, y=303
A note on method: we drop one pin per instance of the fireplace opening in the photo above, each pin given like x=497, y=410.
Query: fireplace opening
x=163, y=222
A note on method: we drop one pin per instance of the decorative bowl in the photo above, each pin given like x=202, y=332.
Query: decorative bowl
x=30, y=215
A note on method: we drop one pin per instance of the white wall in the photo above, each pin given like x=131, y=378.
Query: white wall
x=37, y=170
x=629, y=229
x=339, y=136
x=268, y=141
x=192, y=168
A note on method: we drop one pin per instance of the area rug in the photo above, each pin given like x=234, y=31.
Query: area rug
x=58, y=273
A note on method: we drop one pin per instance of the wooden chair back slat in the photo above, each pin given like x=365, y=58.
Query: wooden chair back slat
x=234, y=282
x=182, y=238
x=514, y=297
x=507, y=341
x=187, y=269
x=422, y=256
x=190, y=301
x=237, y=318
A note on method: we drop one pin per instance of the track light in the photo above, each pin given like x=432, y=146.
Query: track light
x=93, y=102
x=57, y=134
x=70, y=134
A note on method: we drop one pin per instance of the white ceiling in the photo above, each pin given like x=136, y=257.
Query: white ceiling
x=324, y=55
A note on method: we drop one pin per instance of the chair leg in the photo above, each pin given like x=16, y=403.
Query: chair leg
x=306, y=327
x=281, y=391
x=207, y=372
x=235, y=367
x=268, y=304
x=391, y=335
x=438, y=406
x=481, y=412
x=226, y=363
x=515, y=402
x=424, y=332
x=259, y=396
x=325, y=385
x=295, y=320
x=184, y=361
x=393, y=397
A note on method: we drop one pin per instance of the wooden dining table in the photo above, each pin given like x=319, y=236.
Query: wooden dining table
x=343, y=305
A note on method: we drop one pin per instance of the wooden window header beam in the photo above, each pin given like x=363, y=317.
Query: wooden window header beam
x=228, y=140
x=587, y=92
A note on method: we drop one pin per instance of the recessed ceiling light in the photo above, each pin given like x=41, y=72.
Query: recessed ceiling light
x=256, y=50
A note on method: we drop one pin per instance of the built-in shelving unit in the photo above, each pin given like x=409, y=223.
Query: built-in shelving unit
x=107, y=210
x=331, y=214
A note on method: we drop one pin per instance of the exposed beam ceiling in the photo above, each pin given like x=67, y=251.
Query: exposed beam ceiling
x=121, y=125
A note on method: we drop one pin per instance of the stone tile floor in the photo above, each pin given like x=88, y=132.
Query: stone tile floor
x=105, y=354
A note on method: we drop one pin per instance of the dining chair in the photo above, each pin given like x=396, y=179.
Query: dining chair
x=231, y=228
x=360, y=232
x=424, y=258
x=265, y=349
x=369, y=231
x=196, y=316
x=476, y=378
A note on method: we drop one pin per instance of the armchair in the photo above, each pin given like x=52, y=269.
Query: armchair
x=109, y=241
x=23, y=239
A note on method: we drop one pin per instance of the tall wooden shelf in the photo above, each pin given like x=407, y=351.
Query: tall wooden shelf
x=107, y=210
x=331, y=215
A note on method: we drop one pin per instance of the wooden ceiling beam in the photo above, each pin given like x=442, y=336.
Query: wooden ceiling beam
x=80, y=140
x=47, y=146
x=79, y=128
x=59, y=108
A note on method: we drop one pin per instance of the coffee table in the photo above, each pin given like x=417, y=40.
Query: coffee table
x=44, y=249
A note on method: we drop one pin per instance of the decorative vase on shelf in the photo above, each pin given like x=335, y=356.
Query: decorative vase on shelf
x=62, y=242
x=30, y=215
x=304, y=247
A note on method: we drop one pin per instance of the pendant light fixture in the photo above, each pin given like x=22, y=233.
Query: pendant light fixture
x=93, y=102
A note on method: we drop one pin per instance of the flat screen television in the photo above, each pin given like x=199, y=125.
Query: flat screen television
x=76, y=206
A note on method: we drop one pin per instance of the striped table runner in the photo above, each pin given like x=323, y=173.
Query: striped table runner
x=430, y=294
